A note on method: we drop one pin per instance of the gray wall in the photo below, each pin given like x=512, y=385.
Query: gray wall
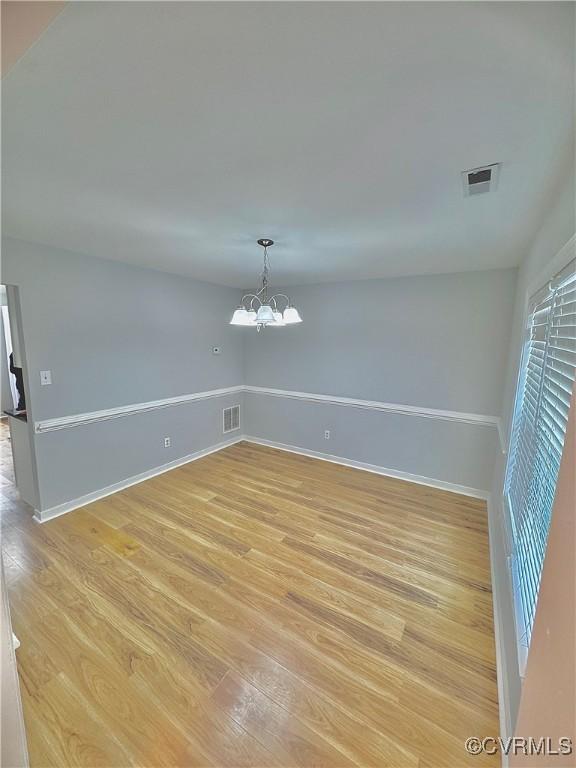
x=455, y=453
x=437, y=341
x=114, y=335
x=558, y=227
x=74, y=462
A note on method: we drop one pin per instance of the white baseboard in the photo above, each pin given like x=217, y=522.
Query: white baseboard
x=41, y=516
x=419, y=479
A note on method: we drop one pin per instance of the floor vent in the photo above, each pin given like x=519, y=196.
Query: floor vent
x=477, y=181
x=231, y=418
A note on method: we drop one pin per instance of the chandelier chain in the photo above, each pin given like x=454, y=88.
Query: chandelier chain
x=265, y=272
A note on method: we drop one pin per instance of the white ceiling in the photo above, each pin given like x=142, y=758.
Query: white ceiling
x=172, y=135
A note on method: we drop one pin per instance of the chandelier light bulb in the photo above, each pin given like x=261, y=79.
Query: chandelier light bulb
x=239, y=317
x=265, y=314
x=278, y=320
x=291, y=316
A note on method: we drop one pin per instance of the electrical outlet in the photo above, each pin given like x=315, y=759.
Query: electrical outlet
x=326, y=434
x=167, y=442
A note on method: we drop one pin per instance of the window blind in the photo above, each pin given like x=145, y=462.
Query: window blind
x=539, y=425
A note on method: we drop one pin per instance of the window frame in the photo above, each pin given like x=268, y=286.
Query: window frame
x=554, y=267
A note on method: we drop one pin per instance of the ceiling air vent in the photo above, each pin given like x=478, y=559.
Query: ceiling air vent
x=477, y=181
x=231, y=418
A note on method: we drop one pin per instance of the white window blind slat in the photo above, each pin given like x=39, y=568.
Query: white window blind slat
x=541, y=413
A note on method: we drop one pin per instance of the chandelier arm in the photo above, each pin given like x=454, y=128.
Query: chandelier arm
x=247, y=300
x=283, y=296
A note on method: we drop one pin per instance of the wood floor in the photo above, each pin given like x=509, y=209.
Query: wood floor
x=255, y=608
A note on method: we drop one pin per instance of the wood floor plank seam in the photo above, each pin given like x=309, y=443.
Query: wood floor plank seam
x=255, y=609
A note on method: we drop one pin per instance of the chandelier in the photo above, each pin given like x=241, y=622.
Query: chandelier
x=258, y=309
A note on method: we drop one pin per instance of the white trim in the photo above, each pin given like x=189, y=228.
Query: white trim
x=520, y=629
x=502, y=437
x=502, y=674
x=80, y=419
x=553, y=267
x=398, y=474
x=376, y=405
x=41, y=516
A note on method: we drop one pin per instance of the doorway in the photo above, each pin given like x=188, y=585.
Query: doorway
x=12, y=391
x=18, y=482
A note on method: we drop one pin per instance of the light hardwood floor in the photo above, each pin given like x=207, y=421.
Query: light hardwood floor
x=256, y=608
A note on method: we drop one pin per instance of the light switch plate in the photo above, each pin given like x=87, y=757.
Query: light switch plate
x=45, y=378
x=216, y=350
